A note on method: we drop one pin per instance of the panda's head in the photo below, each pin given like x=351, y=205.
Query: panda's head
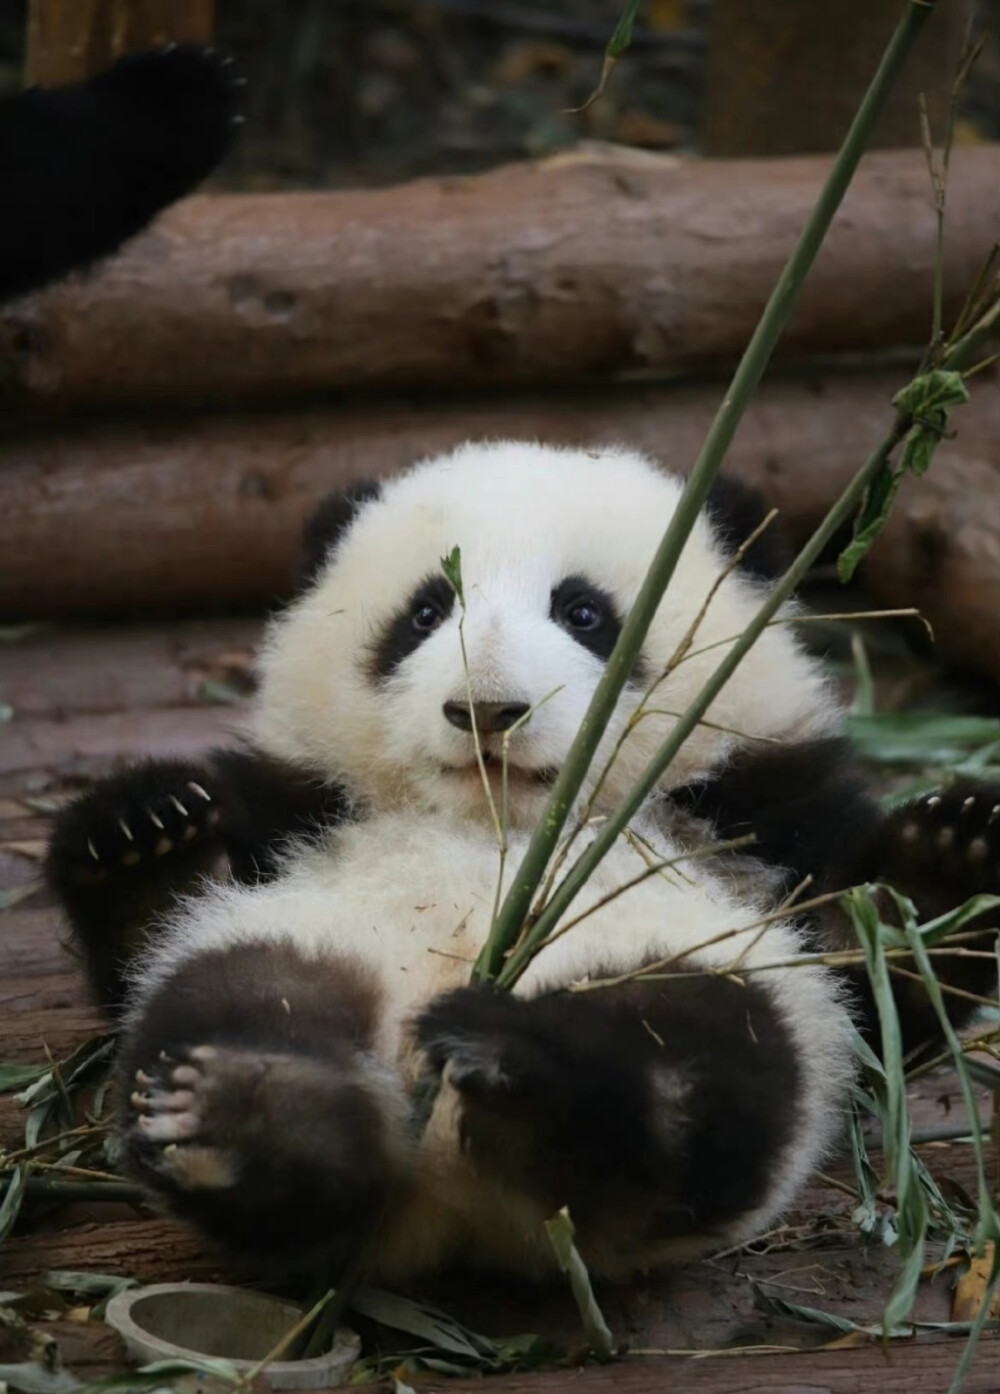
x=374, y=675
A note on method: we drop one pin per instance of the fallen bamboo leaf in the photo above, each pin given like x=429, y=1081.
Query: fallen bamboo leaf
x=971, y=1288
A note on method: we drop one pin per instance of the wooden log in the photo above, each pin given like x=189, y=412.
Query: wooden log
x=600, y=264
x=902, y=1368
x=69, y=40
x=182, y=513
x=783, y=78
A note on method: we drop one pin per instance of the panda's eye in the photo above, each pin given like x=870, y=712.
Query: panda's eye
x=426, y=617
x=423, y=611
x=583, y=614
x=587, y=614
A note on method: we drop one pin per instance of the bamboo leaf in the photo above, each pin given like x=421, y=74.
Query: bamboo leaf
x=31, y=1377
x=17, y=1076
x=417, y=1319
x=617, y=45
x=160, y=1375
x=921, y=738
x=11, y=1204
x=926, y=401
x=451, y=565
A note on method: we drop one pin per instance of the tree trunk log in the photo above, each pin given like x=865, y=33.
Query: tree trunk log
x=785, y=78
x=588, y=266
x=69, y=40
x=181, y=513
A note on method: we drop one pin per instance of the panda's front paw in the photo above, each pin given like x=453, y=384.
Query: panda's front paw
x=154, y=812
x=480, y=1039
x=948, y=842
x=193, y=87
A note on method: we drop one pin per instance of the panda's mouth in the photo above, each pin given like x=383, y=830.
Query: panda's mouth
x=522, y=775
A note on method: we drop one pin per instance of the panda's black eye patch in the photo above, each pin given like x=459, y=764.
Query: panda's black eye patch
x=427, y=608
x=587, y=613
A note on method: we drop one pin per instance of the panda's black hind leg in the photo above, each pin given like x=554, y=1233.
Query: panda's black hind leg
x=656, y=1112
x=121, y=852
x=253, y=1105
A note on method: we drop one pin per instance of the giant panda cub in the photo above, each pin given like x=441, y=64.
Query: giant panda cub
x=273, y=1022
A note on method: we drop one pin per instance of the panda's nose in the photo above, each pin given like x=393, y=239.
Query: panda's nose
x=490, y=716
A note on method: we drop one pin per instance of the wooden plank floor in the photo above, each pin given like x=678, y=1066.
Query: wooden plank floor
x=86, y=698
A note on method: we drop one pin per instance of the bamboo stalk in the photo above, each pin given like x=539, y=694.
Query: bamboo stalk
x=954, y=358
x=758, y=353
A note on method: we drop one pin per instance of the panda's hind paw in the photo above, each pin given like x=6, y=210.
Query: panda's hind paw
x=181, y=1111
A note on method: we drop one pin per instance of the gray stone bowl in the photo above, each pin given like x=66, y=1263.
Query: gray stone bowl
x=192, y=1321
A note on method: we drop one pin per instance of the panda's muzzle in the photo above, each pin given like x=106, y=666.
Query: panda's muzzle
x=486, y=718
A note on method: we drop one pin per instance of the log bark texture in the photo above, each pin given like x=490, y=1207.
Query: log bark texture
x=182, y=513
x=600, y=265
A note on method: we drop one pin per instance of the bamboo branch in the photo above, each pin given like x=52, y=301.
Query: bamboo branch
x=744, y=383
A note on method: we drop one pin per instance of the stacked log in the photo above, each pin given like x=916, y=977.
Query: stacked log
x=250, y=353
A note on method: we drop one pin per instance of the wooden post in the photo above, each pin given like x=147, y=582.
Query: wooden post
x=68, y=40
x=784, y=77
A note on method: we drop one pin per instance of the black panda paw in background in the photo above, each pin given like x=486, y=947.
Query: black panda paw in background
x=121, y=853
x=87, y=166
x=940, y=851
x=132, y=821
x=187, y=102
x=945, y=847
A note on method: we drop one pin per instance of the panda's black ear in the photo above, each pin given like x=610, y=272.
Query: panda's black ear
x=325, y=525
x=735, y=511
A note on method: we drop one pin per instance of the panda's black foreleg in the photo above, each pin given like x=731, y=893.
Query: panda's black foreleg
x=121, y=853
x=654, y=1111
x=252, y=1103
x=811, y=815
x=86, y=166
x=939, y=851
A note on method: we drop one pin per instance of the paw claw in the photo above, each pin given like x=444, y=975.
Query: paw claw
x=179, y=806
x=156, y=821
x=969, y=804
x=92, y=849
x=197, y=789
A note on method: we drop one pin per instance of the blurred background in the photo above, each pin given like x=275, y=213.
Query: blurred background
x=346, y=93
